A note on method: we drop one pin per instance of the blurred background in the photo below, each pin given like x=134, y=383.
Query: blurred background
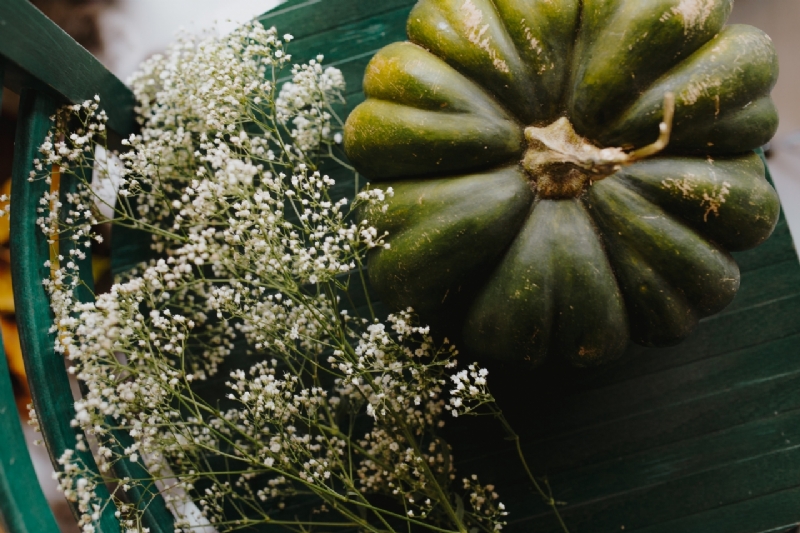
x=122, y=33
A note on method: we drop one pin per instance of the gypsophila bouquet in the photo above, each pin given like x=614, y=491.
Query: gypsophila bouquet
x=243, y=369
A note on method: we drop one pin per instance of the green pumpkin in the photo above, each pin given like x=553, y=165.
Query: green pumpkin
x=511, y=132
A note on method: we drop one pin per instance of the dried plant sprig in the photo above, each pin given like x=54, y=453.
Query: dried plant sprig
x=323, y=402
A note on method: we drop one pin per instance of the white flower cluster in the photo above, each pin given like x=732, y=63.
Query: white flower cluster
x=255, y=264
x=470, y=391
x=485, y=501
x=306, y=101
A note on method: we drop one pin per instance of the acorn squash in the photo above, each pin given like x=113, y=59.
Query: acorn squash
x=567, y=174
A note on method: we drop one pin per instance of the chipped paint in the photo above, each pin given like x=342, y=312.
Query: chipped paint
x=475, y=33
x=697, y=89
x=695, y=14
x=688, y=187
x=533, y=42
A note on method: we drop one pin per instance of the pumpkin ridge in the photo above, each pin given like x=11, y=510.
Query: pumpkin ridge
x=620, y=277
x=711, y=205
x=572, y=60
x=615, y=67
x=652, y=334
x=707, y=296
x=518, y=59
x=635, y=185
x=393, y=53
x=554, y=280
x=566, y=93
x=711, y=85
x=512, y=93
x=434, y=228
x=530, y=74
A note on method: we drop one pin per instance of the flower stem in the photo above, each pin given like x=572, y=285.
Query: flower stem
x=514, y=437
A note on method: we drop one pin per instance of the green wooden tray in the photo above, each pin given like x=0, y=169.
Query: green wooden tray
x=703, y=437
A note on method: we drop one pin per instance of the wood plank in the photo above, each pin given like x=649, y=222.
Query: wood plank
x=348, y=41
x=620, y=475
x=716, y=335
x=678, y=460
x=40, y=55
x=306, y=18
x=765, y=284
x=752, y=329
x=47, y=373
x=23, y=507
x=703, y=491
x=773, y=513
x=567, y=430
x=778, y=248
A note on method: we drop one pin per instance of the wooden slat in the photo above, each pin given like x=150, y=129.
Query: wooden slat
x=773, y=513
x=671, y=462
x=47, y=375
x=720, y=334
x=777, y=249
x=704, y=491
x=23, y=507
x=766, y=284
x=40, y=55
x=709, y=396
x=599, y=395
x=304, y=18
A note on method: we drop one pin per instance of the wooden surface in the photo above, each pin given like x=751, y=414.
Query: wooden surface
x=702, y=437
x=23, y=508
x=46, y=369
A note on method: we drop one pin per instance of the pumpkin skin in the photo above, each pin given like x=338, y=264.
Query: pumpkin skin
x=640, y=252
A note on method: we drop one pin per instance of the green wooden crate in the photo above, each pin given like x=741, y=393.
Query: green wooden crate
x=702, y=437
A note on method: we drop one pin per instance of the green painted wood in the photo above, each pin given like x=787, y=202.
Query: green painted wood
x=687, y=402
x=47, y=375
x=733, y=484
x=759, y=515
x=771, y=282
x=305, y=18
x=667, y=463
x=41, y=55
x=778, y=248
x=783, y=529
x=720, y=334
x=23, y=507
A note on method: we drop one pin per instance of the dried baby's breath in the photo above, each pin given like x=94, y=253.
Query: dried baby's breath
x=256, y=293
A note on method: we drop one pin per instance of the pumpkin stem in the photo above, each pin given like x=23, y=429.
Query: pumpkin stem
x=562, y=164
x=665, y=130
